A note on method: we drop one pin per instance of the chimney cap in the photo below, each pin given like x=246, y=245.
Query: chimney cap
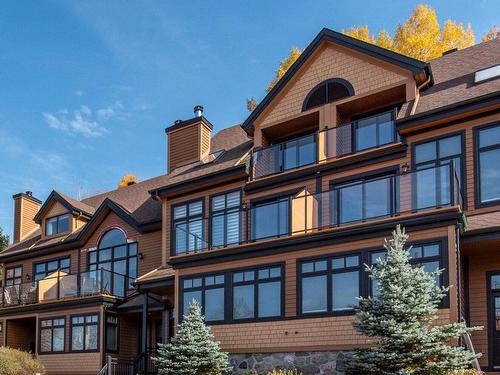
x=28, y=195
x=180, y=124
x=198, y=110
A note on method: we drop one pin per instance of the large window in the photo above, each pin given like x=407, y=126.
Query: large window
x=84, y=333
x=432, y=183
x=188, y=227
x=257, y=293
x=14, y=276
x=327, y=92
x=271, y=218
x=299, y=152
x=116, y=255
x=43, y=269
x=57, y=224
x=225, y=220
x=363, y=199
x=209, y=292
x=487, y=164
x=330, y=285
x=52, y=335
x=374, y=131
x=112, y=333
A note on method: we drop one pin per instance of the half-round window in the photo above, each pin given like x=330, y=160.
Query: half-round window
x=112, y=237
x=328, y=91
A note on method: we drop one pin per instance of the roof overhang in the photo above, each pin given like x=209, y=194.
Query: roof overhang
x=417, y=67
x=56, y=197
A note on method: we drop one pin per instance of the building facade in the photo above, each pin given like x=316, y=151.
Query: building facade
x=269, y=224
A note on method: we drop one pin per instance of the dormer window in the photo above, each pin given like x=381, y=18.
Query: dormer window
x=57, y=224
x=328, y=91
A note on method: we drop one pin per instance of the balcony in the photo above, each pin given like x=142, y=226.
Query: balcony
x=60, y=286
x=329, y=144
x=354, y=203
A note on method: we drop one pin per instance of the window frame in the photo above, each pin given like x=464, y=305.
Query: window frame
x=51, y=328
x=57, y=217
x=173, y=222
x=228, y=293
x=84, y=325
x=254, y=203
x=344, y=82
x=477, y=164
x=365, y=281
x=117, y=325
x=224, y=212
x=355, y=126
x=13, y=268
x=438, y=161
x=46, y=262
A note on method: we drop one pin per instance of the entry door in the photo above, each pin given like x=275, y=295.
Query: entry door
x=494, y=320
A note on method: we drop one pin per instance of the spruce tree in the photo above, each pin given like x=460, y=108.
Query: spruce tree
x=193, y=350
x=405, y=339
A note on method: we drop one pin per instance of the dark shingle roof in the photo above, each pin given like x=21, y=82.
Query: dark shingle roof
x=454, y=78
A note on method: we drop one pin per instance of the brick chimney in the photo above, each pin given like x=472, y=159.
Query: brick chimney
x=26, y=207
x=188, y=141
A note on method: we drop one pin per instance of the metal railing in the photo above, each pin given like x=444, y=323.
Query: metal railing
x=368, y=200
x=357, y=136
x=61, y=285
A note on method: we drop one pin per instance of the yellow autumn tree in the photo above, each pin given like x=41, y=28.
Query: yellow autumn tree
x=384, y=40
x=127, y=180
x=493, y=33
x=454, y=35
x=361, y=33
x=284, y=66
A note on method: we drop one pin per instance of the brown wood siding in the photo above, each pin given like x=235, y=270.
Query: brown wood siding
x=184, y=146
x=24, y=213
x=365, y=73
x=313, y=334
x=55, y=209
x=205, y=140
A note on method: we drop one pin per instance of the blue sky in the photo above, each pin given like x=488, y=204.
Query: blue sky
x=87, y=87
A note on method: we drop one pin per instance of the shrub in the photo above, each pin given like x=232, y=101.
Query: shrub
x=17, y=362
x=466, y=372
x=284, y=372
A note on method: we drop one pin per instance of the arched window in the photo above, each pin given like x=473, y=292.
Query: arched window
x=328, y=91
x=117, y=258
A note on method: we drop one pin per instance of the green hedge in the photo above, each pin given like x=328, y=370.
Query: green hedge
x=17, y=362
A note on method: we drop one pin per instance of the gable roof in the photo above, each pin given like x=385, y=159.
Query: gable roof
x=454, y=80
x=415, y=66
x=71, y=204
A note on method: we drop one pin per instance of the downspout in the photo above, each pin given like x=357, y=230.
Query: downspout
x=417, y=95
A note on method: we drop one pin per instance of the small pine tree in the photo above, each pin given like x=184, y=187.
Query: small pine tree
x=400, y=321
x=193, y=350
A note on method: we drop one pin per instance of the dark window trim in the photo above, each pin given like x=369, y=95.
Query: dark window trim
x=58, y=259
x=13, y=278
x=84, y=325
x=107, y=350
x=268, y=200
x=68, y=214
x=477, y=169
x=228, y=293
x=490, y=317
x=224, y=212
x=172, y=222
x=365, y=281
x=52, y=351
x=462, y=156
x=378, y=114
x=342, y=81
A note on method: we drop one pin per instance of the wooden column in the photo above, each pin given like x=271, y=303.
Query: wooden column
x=166, y=324
x=145, y=321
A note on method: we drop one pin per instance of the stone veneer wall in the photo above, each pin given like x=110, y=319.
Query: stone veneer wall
x=309, y=363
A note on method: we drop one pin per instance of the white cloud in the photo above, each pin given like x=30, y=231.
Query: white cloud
x=81, y=122
x=79, y=93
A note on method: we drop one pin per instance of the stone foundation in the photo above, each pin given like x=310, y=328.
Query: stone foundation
x=309, y=363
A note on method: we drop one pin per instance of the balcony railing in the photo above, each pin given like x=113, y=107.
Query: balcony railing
x=347, y=204
x=61, y=285
x=361, y=135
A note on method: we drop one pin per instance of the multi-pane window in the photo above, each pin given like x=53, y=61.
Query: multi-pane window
x=363, y=199
x=112, y=333
x=299, y=152
x=188, y=227
x=226, y=219
x=257, y=293
x=116, y=255
x=209, y=292
x=330, y=284
x=43, y=269
x=52, y=335
x=57, y=224
x=271, y=218
x=84, y=332
x=488, y=160
x=432, y=183
x=14, y=276
x=374, y=131
x=375, y=258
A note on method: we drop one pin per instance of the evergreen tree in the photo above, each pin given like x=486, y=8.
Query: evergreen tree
x=193, y=350
x=405, y=341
